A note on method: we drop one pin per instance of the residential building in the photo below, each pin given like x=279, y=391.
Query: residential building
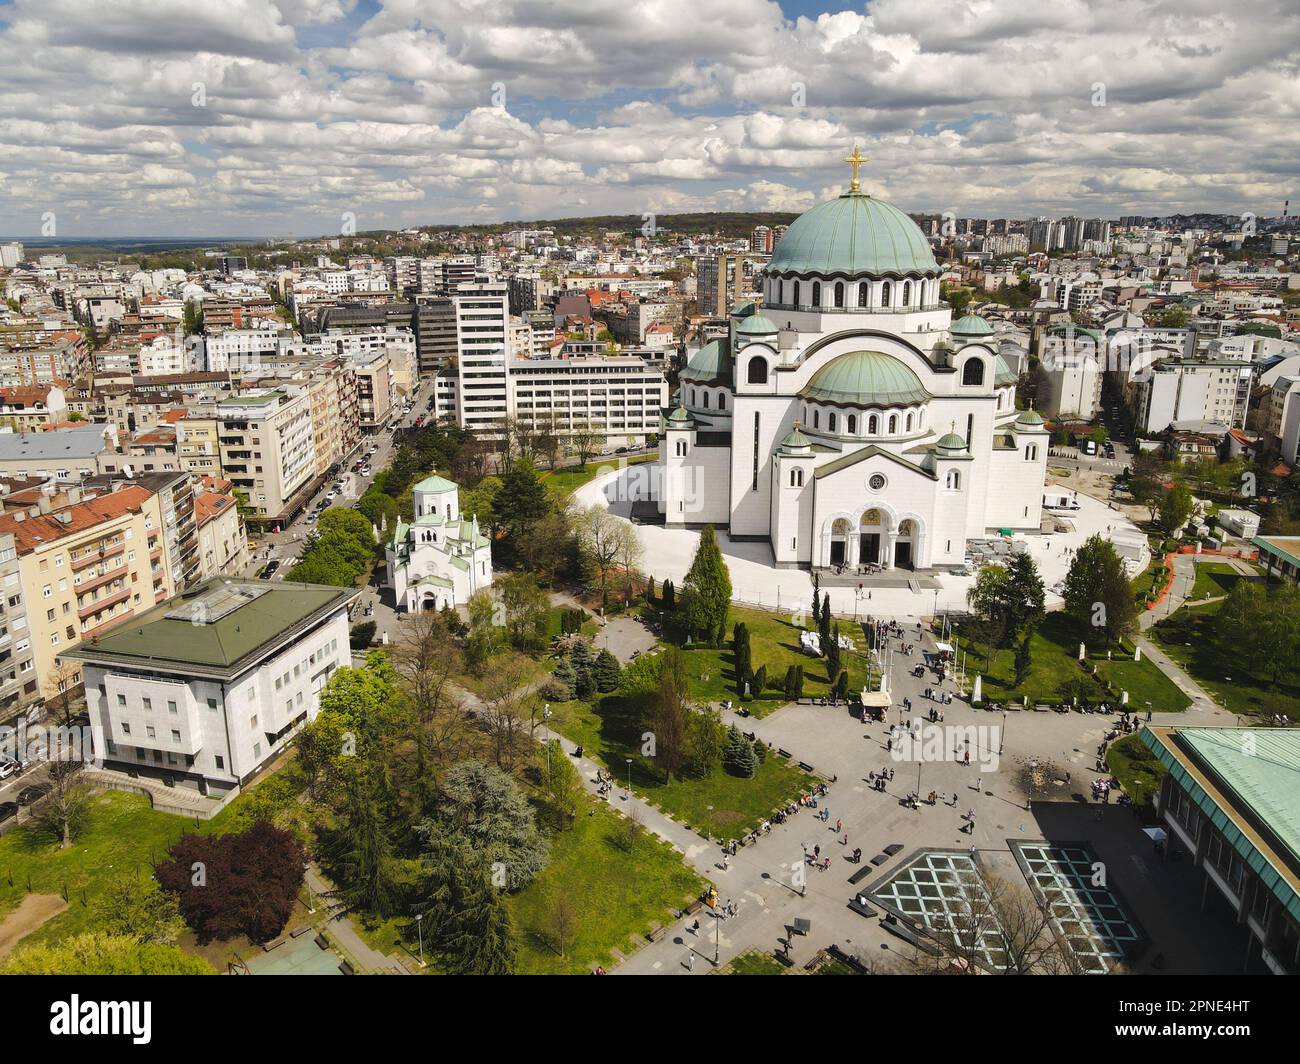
x=19, y=683
x=210, y=687
x=268, y=450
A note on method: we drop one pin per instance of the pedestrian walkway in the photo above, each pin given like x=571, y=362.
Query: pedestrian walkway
x=338, y=925
x=1202, y=701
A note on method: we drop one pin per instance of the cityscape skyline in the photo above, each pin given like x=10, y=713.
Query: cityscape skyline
x=275, y=118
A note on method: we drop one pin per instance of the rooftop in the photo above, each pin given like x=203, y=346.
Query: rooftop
x=221, y=626
x=83, y=442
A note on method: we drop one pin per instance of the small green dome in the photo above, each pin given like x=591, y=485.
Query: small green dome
x=866, y=378
x=853, y=234
x=709, y=363
x=680, y=416
x=756, y=325
x=970, y=325
x=796, y=440
x=950, y=442
x=1029, y=417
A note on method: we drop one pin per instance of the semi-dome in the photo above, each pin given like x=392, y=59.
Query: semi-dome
x=950, y=443
x=866, y=378
x=1002, y=373
x=854, y=234
x=1029, y=418
x=709, y=363
x=796, y=440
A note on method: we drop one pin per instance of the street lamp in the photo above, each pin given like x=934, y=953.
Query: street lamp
x=717, y=937
x=419, y=930
x=306, y=875
x=629, y=777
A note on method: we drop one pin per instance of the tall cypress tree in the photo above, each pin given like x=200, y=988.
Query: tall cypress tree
x=364, y=851
x=706, y=593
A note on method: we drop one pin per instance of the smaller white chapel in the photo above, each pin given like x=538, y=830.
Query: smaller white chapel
x=439, y=558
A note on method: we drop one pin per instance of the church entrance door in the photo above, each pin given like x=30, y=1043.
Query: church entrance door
x=903, y=555
x=870, y=548
x=837, y=551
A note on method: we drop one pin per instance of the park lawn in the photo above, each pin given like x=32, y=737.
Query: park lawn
x=1138, y=770
x=1187, y=637
x=617, y=888
x=774, y=642
x=123, y=834
x=719, y=805
x=752, y=962
x=564, y=482
x=1214, y=579
x=1054, y=651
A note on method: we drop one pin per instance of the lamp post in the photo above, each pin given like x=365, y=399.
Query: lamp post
x=546, y=722
x=419, y=930
x=306, y=875
x=717, y=937
x=629, y=777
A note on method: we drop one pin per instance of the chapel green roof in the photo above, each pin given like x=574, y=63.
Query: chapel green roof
x=795, y=439
x=710, y=362
x=866, y=378
x=851, y=235
x=756, y=324
x=435, y=483
x=1029, y=417
x=970, y=325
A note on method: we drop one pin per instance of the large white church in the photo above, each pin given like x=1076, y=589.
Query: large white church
x=849, y=421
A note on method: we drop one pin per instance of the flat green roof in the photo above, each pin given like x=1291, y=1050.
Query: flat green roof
x=230, y=636
x=1287, y=547
x=1247, y=782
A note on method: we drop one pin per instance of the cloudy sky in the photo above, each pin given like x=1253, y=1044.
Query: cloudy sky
x=274, y=117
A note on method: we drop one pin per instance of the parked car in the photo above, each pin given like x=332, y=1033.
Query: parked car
x=271, y=568
x=329, y=495
x=7, y=810
x=8, y=767
x=28, y=795
x=365, y=471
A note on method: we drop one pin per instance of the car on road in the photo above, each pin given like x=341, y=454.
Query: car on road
x=365, y=471
x=8, y=767
x=8, y=810
x=312, y=517
x=28, y=795
x=271, y=568
x=329, y=495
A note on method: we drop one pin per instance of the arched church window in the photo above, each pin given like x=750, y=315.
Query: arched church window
x=839, y=293
x=954, y=480
x=862, y=293
x=817, y=294
x=833, y=421
x=907, y=293
x=817, y=419
x=873, y=425
x=796, y=293
x=1031, y=453
x=681, y=448
x=887, y=294
x=796, y=478
x=973, y=372
x=893, y=424
x=909, y=422
x=706, y=400
x=692, y=397
x=722, y=400
x=757, y=373
x=853, y=425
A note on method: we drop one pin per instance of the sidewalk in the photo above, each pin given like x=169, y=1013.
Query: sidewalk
x=334, y=920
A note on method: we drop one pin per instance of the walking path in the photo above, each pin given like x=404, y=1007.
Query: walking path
x=338, y=924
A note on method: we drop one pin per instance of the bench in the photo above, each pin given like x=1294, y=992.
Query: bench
x=851, y=961
x=907, y=933
x=860, y=874
x=784, y=753
x=805, y=766
x=893, y=848
x=656, y=933
x=782, y=959
x=859, y=906
x=694, y=907
x=880, y=859
x=801, y=925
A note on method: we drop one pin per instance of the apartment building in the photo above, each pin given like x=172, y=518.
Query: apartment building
x=621, y=397
x=19, y=686
x=32, y=407
x=268, y=450
x=197, y=444
x=60, y=454
x=208, y=688
x=222, y=539
x=86, y=567
x=482, y=339
x=376, y=389
x=1186, y=390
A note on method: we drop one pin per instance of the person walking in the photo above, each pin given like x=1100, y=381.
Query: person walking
x=690, y=962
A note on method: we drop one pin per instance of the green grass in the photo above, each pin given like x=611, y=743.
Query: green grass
x=123, y=834
x=1054, y=651
x=774, y=642
x=1214, y=579
x=1188, y=638
x=752, y=962
x=1137, y=769
x=564, y=482
x=718, y=805
x=617, y=888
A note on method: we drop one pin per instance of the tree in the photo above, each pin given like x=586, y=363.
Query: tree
x=561, y=784
x=480, y=501
x=706, y=594
x=668, y=712
x=522, y=502
x=466, y=919
x=586, y=439
x=430, y=706
x=362, y=851
x=66, y=805
x=670, y=595
x=361, y=635
x=741, y=653
x=841, y=691
x=705, y=740
x=563, y=919
x=234, y=884
x=1097, y=589
x=760, y=682
x=601, y=538
x=485, y=810
x=486, y=631
x=1023, y=660
x=606, y=671
x=527, y=610
x=834, y=656
x=1175, y=507
x=987, y=599
x=738, y=755
x=351, y=523
x=138, y=909
x=1024, y=597
x=511, y=705
x=1261, y=628
x=824, y=623
x=102, y=953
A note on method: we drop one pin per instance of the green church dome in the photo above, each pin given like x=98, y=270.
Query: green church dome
x=950, y=442
x=970, y=325
x=866, y=378
x=1002, y=373
x=709, y=363
x=851, y=235
x=756, y=325
x=1029, y=417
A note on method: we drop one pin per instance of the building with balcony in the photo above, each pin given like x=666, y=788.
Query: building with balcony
x=209, y=687
x=19, y=686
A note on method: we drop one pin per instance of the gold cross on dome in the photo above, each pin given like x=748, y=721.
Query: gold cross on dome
x=855, y=160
